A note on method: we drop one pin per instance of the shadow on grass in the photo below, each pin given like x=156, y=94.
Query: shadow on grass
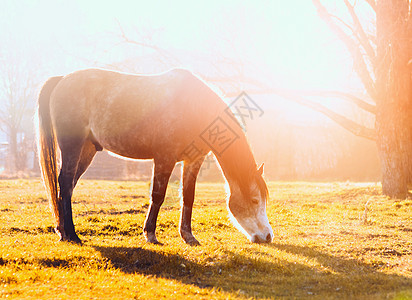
x=268, y=277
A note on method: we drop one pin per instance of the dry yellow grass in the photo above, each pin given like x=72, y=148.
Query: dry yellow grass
x=326, y=245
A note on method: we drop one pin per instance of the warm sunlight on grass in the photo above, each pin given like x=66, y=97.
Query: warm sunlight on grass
x=325, y=245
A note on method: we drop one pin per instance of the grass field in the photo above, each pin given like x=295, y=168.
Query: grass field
x=326, y=245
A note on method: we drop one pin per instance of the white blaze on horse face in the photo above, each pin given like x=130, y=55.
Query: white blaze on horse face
x=249, y=215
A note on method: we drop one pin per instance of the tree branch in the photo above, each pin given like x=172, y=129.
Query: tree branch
x=362, y=37
x=345, y=96
x=127, y=40
x=346, y=123
x=343, y=121
x=359, y=62
x=264, y=89
x=161, y=51
x=372, y=4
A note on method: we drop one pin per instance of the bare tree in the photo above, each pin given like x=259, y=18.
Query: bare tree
x=382, y=60
x=17, y=92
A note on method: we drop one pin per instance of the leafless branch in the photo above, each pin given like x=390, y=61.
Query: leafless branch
x=372, y=4
x=165, y=54
x=346, y=123
x=260, y=88
x=332, y=16
x=360, y=65
x=362, y=37
x=296, y=97
x=345, y=96
x=138, y=43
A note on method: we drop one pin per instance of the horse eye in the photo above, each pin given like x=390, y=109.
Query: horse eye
x=255, y=201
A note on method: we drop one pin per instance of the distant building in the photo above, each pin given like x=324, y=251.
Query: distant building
x=3, y=151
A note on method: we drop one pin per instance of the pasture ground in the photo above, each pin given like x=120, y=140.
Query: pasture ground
x=325, y=245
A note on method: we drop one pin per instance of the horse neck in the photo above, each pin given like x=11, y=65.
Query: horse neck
x=237, y=161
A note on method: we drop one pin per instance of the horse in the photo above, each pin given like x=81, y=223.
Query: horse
x=169, y=118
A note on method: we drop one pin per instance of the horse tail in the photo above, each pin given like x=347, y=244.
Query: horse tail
x=47, y=144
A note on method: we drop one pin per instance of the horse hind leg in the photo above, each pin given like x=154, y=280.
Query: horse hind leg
x=190, y=172
x=89, y=150
x=71, y=151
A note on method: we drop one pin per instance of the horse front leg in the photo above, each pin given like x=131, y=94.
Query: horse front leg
x=190, y=172
x=161, y=175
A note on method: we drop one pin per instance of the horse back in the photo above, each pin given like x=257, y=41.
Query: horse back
x=134, y=115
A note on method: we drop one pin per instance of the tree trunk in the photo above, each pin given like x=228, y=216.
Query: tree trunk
x=394, y=95
x=394, y=149
x=13, y=151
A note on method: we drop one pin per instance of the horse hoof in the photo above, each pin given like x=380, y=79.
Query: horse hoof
x=73, y=240
x=154, y=242
x=151, y=239
x=76, y=240
x=67, y=236
x=70, y=239
x=193, y=242
x=188, y=237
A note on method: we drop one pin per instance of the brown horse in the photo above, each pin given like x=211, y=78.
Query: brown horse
x=170, y=117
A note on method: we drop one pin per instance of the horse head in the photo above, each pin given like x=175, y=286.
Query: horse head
x=247, y=207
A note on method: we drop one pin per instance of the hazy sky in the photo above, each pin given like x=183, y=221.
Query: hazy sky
x=284, y=41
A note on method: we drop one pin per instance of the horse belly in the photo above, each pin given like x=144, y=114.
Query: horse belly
x=138, y=142
x=126, y=144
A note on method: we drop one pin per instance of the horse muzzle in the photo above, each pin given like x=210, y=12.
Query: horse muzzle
x=262, y=238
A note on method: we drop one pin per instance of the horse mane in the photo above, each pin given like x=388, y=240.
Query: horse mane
x=262, y=186
x=244, y=176
x=241, y=166
x=237, y=161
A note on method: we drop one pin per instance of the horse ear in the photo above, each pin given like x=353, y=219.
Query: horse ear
x=260, y=170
